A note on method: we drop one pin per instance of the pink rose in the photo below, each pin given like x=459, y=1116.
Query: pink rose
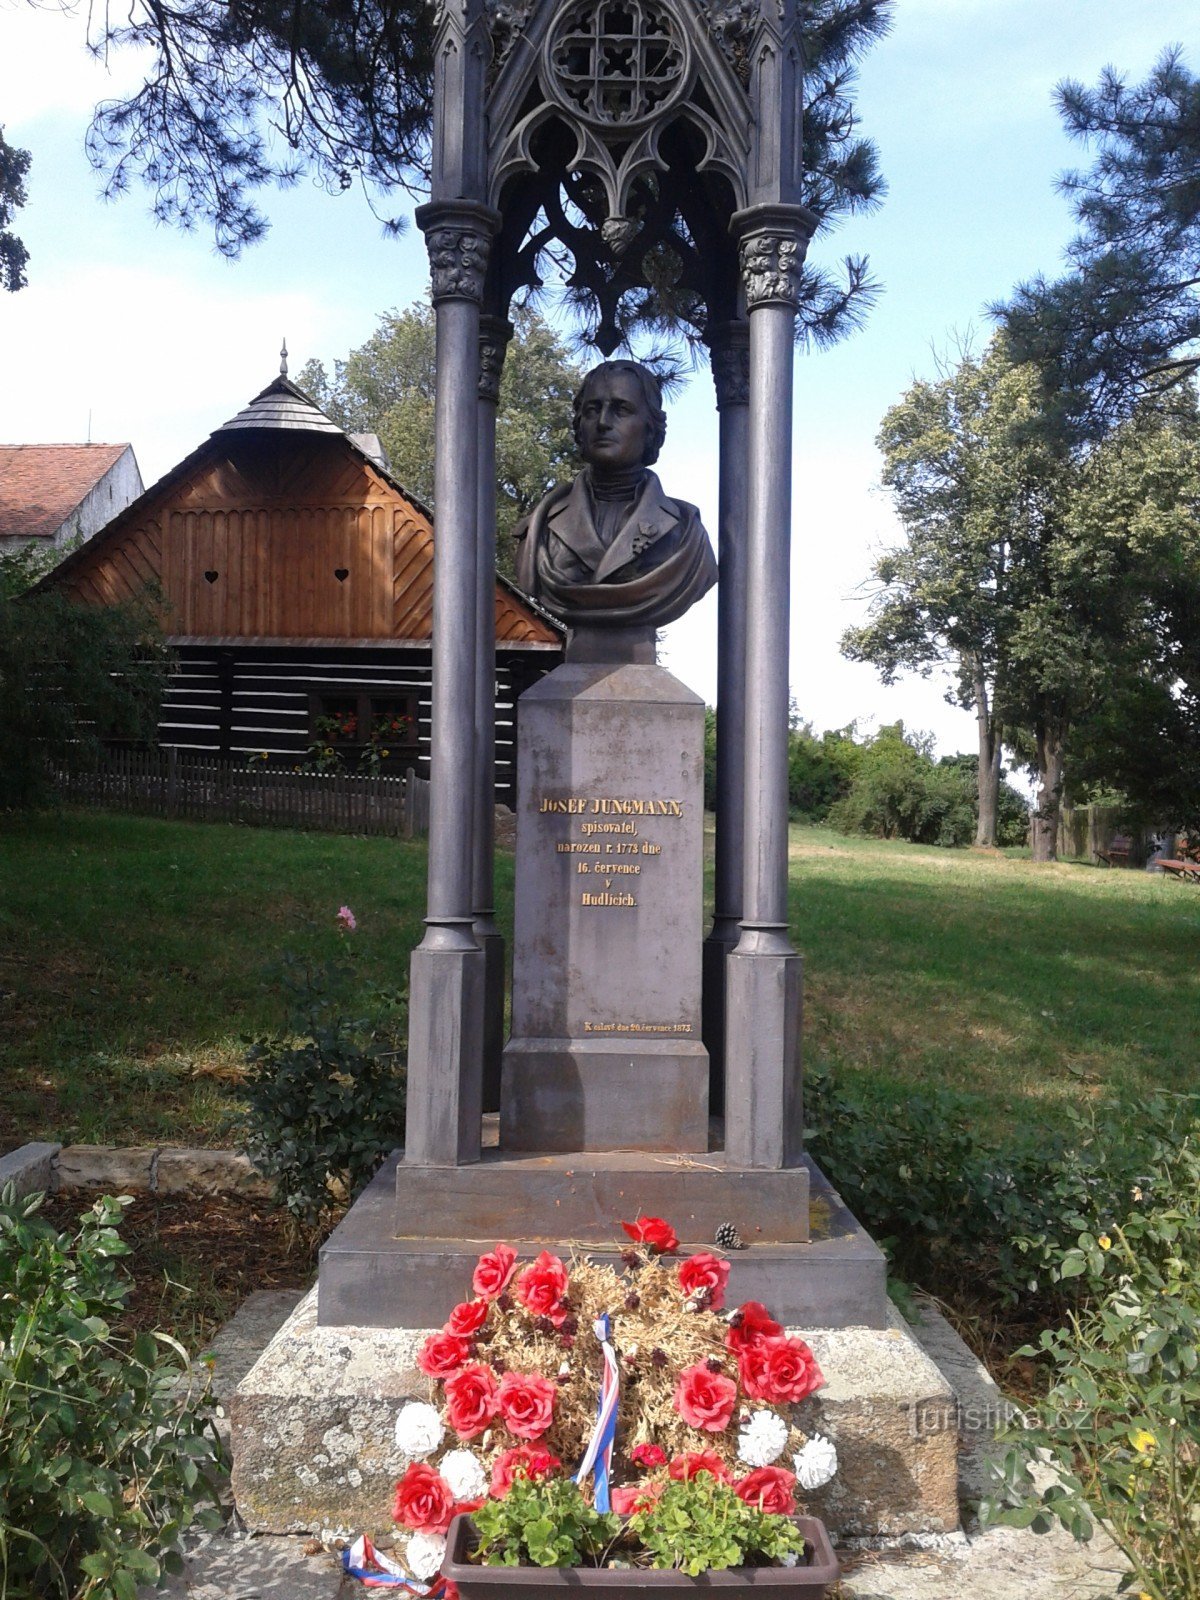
x=703, y=1277
x=648, y=1456
x=527, y=1403
x=653, y=1232
x=424, y=1500
x=442, y=1354
x=685, y=1467
x=633, y=1497
x=541, y=1288
x=467, y=1319
x=749, y=1324
x=705, y=1399
x=522, y=1461
x=780, y=1371
x=768, y=1489
x=472, y=1399
x=493, y=1271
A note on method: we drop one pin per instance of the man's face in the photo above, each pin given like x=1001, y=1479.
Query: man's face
x=614, y=423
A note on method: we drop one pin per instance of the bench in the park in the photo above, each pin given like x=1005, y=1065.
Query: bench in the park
x=1116, y=852
x=1189, y=870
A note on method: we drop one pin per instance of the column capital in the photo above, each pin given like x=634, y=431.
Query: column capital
x=729, y=357
x=458, y=237
x=772, y=241
x=494, y=336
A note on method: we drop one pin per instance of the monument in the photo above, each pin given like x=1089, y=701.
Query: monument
x=655, y=142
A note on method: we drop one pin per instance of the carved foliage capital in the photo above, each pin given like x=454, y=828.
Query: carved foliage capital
x=771, y=264
x=458, y=259
x=494, y=335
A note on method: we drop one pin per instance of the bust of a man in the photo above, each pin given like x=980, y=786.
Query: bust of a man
x=610, y=549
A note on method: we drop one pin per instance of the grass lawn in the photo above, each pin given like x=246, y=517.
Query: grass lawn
x=132, y=957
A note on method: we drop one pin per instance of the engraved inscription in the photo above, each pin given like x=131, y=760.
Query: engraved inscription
x=612, y=878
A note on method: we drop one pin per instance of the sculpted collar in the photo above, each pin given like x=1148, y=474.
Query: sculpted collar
x=651, y=516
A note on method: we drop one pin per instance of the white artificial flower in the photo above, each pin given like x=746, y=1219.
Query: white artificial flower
x=426, y=1552
x=464, y=1473
x=419, y=1429
x=762, y=1438
x=816, y=1463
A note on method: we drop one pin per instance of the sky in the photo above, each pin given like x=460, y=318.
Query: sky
x=133, y=331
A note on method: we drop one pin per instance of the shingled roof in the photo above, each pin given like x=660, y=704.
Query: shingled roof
x=42, y=484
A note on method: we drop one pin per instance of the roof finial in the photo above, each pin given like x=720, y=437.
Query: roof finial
x=283, y=359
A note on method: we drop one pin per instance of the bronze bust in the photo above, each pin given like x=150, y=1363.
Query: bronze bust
x=609, y=549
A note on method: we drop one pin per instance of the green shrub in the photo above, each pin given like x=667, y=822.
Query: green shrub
x=103, y=1460
x=325, y=1102
x=1121, y=1421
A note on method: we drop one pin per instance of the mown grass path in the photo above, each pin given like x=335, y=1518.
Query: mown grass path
x=132, y=957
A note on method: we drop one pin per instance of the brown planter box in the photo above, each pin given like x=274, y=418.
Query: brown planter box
x=734, y=1583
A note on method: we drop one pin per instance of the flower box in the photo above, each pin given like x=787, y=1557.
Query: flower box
x=811, y=1580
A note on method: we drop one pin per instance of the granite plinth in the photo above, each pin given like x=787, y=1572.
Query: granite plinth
x=606, y=1050
x=393, y=1265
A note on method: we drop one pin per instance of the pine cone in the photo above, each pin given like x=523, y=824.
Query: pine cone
x=728, y=1237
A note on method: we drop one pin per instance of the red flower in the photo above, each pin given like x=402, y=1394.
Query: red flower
x=527, y=1402
x=443, y=1354
x=424, y=1500
x=465, y=1507
x=648, y=1455
x=768, y=1489
x=472, y=1399
x=467, y=1319
x=524, y=1461
x=686, y=1467
x=541, y=1287
x=653, y=1231
x=493, y=1270
x=751, y=1323
x=705, y=1277
x=634, y=1497
x=780, y=1371
x=705, y=1399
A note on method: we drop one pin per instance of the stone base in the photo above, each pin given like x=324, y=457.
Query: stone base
x=577, y=1094
x=404, y=1252
x=314, y=1429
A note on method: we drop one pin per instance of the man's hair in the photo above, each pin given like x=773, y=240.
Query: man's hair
x=651, y=394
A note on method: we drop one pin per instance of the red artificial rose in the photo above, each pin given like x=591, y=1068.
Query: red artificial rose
x=527, y=1402
x=443, y=1354
x=493, y=1270
x=541, y=1287
x=751, y=1323
x=472, y=1399
x=653, y=1231
x=705, y=1277
x=467, y=1319
x=705, y=1399
x=634, y=1497
x=648, y=1456
x=768, y=1489
x=523, y=1461
x=686, y=1467
x=779, y=1371
x=424, y=1500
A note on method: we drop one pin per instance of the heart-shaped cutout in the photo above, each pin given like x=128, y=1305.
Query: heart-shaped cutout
x=210, y=576
x=341, y=573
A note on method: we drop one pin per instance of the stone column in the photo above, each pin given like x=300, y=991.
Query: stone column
x=729, y=350
x=445, y=1041
x=495, y=332
x=763, y=1115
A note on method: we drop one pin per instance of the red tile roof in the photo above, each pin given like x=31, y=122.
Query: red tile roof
x=41, y=484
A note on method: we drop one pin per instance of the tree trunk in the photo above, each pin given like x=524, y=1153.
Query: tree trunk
x=989, y=768
x=1044, y=825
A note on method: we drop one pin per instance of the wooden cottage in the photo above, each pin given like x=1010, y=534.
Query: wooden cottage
x=295, y=578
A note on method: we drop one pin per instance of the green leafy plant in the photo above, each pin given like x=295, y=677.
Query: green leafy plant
x=702, y=1526
x=544, y=1523
x=696, y=1526
x=1120, y=1423
x=325, y=1102
x=106, y=1445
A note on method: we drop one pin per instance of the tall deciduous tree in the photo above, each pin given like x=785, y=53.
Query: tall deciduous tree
x=386, y=386
x=241, y=96
x=1124, y=322
x=14, y=164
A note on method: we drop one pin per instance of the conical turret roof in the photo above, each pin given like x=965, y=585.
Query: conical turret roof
x=284, y=408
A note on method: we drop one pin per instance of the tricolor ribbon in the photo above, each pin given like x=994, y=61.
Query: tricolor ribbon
x=598, y=1455
x=361, y=1560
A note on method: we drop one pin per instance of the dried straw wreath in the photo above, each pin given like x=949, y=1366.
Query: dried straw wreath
x=520, y=1366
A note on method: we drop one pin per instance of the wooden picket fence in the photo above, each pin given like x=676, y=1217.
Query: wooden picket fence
x=173, y=783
